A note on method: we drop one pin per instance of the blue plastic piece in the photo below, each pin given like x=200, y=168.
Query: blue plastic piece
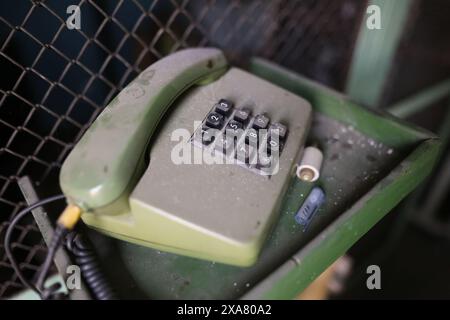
x=309, y=208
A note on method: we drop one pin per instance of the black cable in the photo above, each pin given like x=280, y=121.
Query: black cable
x=7, y=244
x=79, y=246
x=86, y=259
x=57, y=239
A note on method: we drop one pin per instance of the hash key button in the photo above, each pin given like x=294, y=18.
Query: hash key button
x=214, y=120
x=224, y=107
x=278, y=129
x=260, y=122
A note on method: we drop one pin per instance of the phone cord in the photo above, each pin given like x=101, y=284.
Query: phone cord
x=86, y=259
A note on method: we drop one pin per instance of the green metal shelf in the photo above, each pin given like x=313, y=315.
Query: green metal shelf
x=372, y=161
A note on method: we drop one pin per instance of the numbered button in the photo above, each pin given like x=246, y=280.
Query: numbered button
x=267, y=164
x=274, y=146
x=214, y=120
x=205, y=136
x=224, y=107
x=242, y=115
x=251, y=137
x=234, y=129
x=278, y=129
x=264, y=160
x=234, y=125
x=260, y=122
x=246, y=154
x=225, y=144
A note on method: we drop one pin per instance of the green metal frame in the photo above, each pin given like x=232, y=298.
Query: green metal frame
x=370, y=67
x=374, y=52
x=420, y=101
x=337, y=238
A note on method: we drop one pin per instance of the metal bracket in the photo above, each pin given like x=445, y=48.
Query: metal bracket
x=62, y=259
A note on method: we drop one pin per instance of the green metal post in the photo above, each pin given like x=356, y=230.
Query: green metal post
x=420, y=101
x=375, y=50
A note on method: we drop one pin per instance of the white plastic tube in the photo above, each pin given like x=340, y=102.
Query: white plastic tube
x=310, y=164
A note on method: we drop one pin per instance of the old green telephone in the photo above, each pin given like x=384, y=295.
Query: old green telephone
x=123, y=175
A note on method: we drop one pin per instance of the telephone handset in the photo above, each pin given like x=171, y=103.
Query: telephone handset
x=220, y=211
x=102, y=166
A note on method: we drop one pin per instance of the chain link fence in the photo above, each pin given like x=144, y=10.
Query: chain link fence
x=56, y=80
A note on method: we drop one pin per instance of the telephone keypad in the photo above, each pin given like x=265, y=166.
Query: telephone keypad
x=242, y=137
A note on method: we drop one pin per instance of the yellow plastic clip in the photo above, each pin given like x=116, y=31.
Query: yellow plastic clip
x=70, y=216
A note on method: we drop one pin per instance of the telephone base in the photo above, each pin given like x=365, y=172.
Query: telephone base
x=125, y=227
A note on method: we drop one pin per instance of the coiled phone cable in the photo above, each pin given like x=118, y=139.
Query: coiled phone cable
x=81, y=250
x=86, y=259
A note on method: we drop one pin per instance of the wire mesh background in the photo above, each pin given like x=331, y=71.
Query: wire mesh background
x=55, y=80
